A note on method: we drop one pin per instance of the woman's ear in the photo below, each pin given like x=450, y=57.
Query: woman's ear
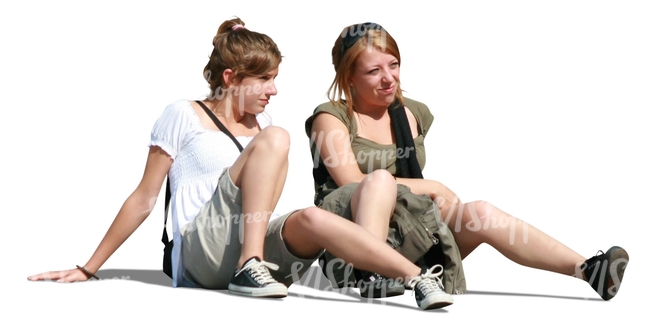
x=228, y=77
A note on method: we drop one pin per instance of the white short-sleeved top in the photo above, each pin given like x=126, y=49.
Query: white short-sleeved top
x=199, y=155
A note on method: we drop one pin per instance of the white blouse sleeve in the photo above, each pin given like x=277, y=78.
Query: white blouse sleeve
x=172, y=126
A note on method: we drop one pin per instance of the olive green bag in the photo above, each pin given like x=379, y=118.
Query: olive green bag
x=416, y=231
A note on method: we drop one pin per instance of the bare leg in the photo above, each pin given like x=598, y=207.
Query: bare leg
x=260, y=172
x=308, y=231
x=373, y=202
x=480, y=222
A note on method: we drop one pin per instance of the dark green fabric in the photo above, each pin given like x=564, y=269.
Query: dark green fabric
x=369, y=155
x=416, y=231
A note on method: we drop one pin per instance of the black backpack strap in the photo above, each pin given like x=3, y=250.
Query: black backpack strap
x=407, y=165
x=223, y=129
x=220, y=125
x=168, y=195
x=167, y=267
x=167, y=251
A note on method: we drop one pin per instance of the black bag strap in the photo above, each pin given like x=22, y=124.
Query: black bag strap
x=220, y=125
x=168, y=193
x=407, y=165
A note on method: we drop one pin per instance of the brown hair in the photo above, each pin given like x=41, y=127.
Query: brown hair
x=344, y=57
x=245, y=52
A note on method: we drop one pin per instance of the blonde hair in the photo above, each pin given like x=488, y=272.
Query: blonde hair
x=245, y=52
x=353, y=40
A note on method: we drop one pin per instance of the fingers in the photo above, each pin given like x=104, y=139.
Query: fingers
x=67, y=276
x=47, y=276
x=445, y=203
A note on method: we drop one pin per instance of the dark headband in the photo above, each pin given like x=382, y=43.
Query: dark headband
x=353, y=33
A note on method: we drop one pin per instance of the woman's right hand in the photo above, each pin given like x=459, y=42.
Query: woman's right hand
x=67, y=276
x=444, y=197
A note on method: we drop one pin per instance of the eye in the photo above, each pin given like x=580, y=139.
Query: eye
x=373, y=71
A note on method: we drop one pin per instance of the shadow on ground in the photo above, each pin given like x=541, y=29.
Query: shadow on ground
x=313, y=278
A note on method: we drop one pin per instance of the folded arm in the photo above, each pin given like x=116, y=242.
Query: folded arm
x=332, y=141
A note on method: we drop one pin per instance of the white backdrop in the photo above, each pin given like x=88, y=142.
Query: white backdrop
x=540, y=108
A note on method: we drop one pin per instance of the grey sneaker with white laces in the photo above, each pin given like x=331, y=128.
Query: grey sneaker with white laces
x=428, y=289
x=255, y=280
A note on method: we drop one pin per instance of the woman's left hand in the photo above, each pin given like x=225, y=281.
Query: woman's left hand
x=67, y=276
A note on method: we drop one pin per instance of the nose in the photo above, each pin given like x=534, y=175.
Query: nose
x=271, y=89
x=387, y=76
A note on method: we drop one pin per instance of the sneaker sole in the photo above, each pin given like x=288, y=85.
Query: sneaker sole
x=617, y=257
x=279, y=291
x=392, y=291
x=436, y=302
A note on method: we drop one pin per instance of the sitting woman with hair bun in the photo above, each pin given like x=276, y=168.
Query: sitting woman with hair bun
x=222, y=197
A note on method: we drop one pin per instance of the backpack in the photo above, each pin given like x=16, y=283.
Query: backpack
x=416, y=231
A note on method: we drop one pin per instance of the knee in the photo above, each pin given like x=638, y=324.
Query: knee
x=380, y=179
x=312, y=218
x=275, y=139
x=480, y=215
x=480, y=209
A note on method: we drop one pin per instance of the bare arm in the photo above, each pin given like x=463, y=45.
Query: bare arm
x=134, y=211
x=443, y=196
x=333, y=142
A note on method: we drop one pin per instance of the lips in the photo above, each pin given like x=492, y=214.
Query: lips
x=388, y=90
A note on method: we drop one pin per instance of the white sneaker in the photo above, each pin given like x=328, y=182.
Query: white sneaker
x=428, y=289
x=255, y=280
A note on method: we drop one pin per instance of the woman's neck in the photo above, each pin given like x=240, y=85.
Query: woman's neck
x=230, y=114
x=375, y=112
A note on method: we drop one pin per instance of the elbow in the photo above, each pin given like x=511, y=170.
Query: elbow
x=142, y=204
x=344, y=180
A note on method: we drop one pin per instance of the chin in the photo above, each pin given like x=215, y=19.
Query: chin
x=388, y=100
x=259, y=110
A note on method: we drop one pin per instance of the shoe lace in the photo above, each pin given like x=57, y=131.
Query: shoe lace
x=260, y=271
x=429, y=281
x=373, y=277
x=594, y=262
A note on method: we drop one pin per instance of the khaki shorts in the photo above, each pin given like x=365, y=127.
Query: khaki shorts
x=211, y=242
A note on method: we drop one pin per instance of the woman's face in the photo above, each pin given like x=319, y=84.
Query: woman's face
x=375, y=79
x=253, y=93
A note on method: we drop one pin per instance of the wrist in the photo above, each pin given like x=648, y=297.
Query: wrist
x=88, y=273
x=435, y=188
